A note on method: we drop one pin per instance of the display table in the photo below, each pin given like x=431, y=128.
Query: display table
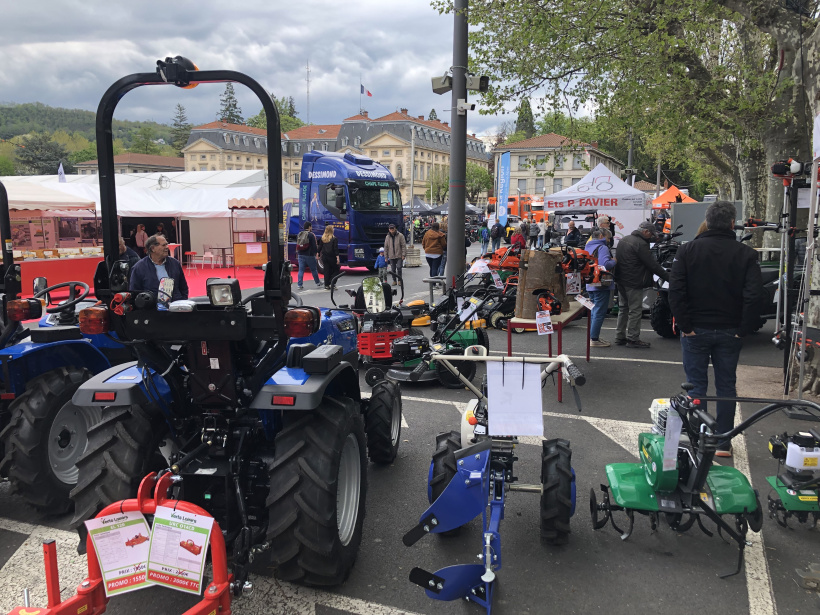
x=56, y=270
x=172, y=248
x=574, y=311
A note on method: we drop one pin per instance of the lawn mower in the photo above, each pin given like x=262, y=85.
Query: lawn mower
x=676, y=477
x=500, y=304
x=797, y=483
x=471, y=473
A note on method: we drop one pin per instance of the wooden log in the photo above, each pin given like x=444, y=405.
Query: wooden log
x=538, y=271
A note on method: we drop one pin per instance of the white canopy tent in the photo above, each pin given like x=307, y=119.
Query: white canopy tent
x=24, y=196
x=179, y=180
x=600, y=189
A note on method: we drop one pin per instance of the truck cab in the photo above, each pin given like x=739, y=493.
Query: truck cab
x=355, y=195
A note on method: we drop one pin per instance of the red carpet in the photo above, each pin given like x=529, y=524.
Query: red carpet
x=248, y=277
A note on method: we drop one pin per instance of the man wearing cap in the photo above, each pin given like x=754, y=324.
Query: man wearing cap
x=395, y=251
x=632, y=275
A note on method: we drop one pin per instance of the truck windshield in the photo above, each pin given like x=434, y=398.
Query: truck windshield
x=374, y=196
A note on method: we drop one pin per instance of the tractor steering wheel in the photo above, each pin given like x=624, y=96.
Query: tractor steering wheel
x=294, y=299
x=71, y=301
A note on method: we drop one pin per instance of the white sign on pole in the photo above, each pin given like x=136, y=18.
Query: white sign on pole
x=514, y=399
x=121, y=544
x=179, y=542
x=544, y=323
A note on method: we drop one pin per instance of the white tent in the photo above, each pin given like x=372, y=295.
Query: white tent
x=33, y=197
x=600, y=189
x=179, y=180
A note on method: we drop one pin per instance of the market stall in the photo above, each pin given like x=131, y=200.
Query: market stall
x=672, y=195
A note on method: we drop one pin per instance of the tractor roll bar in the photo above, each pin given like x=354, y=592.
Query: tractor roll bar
x=10, y=281
x=181, y=72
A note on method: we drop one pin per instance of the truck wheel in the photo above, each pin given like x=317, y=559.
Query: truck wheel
x=382, y=423
x=660, y=316
x=450, y=381
x=317, y=498
x=45, y=437
x=443, y=468
x=558, y=490
x=122, y=448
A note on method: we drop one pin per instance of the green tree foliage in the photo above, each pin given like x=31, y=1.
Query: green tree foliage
x=525, y=123
x=439, y=180
x=39, y=155
x=181, y=130
x=87, y=154
x=433, y=115
x=6, y=166
x=478, y=180
x=143, y=142
x=229, y=110
x=288, y=119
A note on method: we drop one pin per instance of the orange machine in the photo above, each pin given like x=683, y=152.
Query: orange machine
x=523, y=207
x=136, y=540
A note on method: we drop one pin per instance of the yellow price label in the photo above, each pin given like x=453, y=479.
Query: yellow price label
x=810, y=462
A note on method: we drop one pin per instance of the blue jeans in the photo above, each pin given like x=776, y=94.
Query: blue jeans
x=601, y=300
x=484, y=246
x=304, y=262
x=723, y=348
x=433, y=262
x=443, y=263
x=540, y=241
x=496, y=243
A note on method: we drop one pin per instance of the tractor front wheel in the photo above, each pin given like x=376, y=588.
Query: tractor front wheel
x=45, y=437
x=557, y=497
x=382, y=423
x=317, y=496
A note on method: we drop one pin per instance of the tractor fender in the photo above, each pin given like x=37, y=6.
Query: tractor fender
x=27, y=360
x=307, y=390
x=127, y=383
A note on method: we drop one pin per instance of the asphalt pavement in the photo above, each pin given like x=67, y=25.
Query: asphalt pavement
x=596, y=572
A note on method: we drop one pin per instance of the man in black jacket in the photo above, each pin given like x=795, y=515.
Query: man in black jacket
x=715, y=294
x=634, y=272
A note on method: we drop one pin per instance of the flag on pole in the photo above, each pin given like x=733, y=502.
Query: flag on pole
x=61, y=174
x=363, y=91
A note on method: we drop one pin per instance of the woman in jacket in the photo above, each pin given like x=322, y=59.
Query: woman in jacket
x=518, y=239
x=329, y=253
x=434, y=244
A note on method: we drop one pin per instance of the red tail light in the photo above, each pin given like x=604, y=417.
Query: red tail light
x=301, y=322
x=94, y=320
x=283, y=400
x=24, y=309
x=105, y=396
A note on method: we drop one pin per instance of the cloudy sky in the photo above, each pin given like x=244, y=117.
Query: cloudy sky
x=66, y=53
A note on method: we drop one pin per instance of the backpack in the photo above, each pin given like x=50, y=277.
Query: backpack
x=303, y=241
x=496, y=231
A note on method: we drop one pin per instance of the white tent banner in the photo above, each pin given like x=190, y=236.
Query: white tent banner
x=600, y=189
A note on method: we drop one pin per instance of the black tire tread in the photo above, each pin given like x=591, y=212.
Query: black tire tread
x=556, y=480
x=25, y=462
x=483, y=338
x=378, y=422
x=302, y=528
x=444, y=467
x=660, y=317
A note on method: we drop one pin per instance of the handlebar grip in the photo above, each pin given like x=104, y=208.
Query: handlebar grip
x=574, y=373
x=418, y=371
x=707, y=419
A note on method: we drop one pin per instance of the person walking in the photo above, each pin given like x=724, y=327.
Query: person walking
x=542, y=233
x=484, y=237
x=573, y=237
x=633, y=274
x=443, y=263
x=518, y=240
x=306, y=250
x=434, y=244
x=716, y=294
x=395, y=251
x=329, y=253
x=496, y=234
x=533, y=234
x=381, y=266
x=140, y=238
x=600, y=295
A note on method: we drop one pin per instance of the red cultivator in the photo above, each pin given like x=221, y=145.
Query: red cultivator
x=90, y=598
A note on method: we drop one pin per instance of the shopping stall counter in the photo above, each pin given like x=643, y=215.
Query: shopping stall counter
x=56, y=270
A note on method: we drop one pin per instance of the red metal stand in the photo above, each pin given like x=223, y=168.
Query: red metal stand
x=90, y=598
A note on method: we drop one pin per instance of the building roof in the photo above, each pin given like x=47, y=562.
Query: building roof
x=549, y=140
x=645, y=186
x=219, y=125
x=143, y=160
x=314, y=131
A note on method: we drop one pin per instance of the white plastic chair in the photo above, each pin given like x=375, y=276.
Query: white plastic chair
x=207, y=255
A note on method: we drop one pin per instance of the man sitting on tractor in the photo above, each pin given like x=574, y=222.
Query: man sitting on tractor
x=158, y=264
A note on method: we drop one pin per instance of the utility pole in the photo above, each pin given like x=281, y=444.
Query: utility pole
x=658, y=181
x=631, y=178
x=458, y=145
x=307, y=80
x=412, y=181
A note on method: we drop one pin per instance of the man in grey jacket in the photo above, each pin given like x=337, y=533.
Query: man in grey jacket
x=395, y=251
x=632, y=275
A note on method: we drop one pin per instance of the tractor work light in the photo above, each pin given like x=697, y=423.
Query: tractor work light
x=24, y=309
x=301, y=322
x=224, y=293
x=94, y=320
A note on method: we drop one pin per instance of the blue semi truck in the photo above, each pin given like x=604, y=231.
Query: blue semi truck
x=354, y=194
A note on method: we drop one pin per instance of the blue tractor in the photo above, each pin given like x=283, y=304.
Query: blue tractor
x=42, y=433
x=252, y=405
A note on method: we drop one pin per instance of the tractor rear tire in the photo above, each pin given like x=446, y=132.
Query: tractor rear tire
x=316, y=504
x=556, y=498
x=443, y=468
x=382, y=423
x=660, y=316
x=44, y=438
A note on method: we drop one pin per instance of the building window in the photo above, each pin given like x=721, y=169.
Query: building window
x=374, y=153
x=202, y=157
x=577, y=162
x=230, y=167
x=247, y=158
x=236, y=140
x=575, y=180
x=256, y=142
x=213, y=168
x=386, y=152
x=295, y=178
x=539, y=185
x=324, y=146
x=541, y=163
x=285, y=148
x=398, y=171
x=245, y=141
x=213, y=156
x=557, y=184
x=345, y=141
x=559, y=162
x=436, y=158
x=398, y=152
x=227, y=137
x=193, y=156
x=415, y=170
x=296, y=164
x=259, y=161
x=203, y=167
x=82, y=172
x=522, y=185
x=523, y=163
x=230, y=157
x=297, y=147
x=311, y=145
x=357, y=142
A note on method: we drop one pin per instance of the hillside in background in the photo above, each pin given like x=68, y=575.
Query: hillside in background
x=36, y=117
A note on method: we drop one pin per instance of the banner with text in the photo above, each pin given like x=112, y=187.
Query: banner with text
x=503, y=188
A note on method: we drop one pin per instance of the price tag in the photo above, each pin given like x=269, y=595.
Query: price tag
x=585, y=301
x=497, y=280
x=544, y=323
x=179, y=542
x=573, y=283
x=674, y=424
x=480, y=266
x=121, y=544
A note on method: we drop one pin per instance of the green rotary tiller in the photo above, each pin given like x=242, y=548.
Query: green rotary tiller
x=797, y=484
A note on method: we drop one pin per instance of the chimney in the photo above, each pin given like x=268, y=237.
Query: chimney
x=404, y=111
x=445, y=124
x=364, y=113
x=421, y=117
x=473, y=135
x=595, y=144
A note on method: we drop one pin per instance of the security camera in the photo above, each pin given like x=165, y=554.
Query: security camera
x=443, y=84
x=463, y=107
x=478, y=84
